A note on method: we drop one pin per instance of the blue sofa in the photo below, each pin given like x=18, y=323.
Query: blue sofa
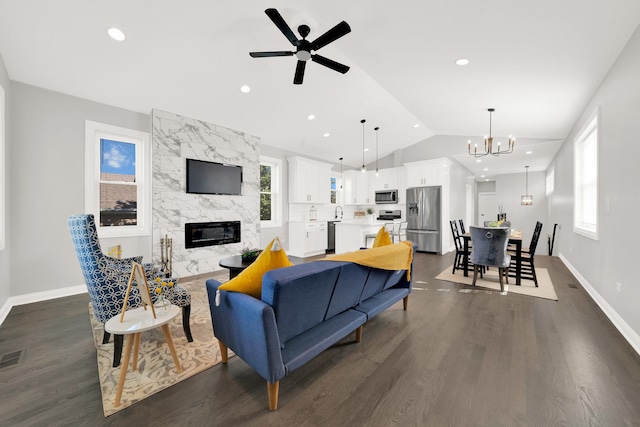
x=304, y=310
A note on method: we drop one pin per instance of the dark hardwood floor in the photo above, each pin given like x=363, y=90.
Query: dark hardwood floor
x=452, y=359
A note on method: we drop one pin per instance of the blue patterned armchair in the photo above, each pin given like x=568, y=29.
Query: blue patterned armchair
x=107, y=279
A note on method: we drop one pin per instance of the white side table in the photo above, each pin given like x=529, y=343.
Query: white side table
x=135, y=322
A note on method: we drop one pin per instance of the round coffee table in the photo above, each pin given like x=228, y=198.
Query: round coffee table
x=236, y=264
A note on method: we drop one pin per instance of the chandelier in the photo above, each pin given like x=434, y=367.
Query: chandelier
x=488, y=143
x=527, y=199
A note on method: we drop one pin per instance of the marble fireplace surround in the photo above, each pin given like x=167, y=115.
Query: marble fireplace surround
x=176, y=138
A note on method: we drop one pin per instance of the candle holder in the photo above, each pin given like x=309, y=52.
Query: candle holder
x=166, y=256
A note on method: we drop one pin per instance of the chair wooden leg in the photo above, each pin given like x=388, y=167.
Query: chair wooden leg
x=501, y=274
x=272, y=391
x=475, y=274
x=186, y=313
x=359, y=334
x=405, y=302
x=224, y=352
x=533, y=271
x=118, y=340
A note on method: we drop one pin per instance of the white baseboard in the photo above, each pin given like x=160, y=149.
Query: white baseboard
x=39, y=296
x=627, y=332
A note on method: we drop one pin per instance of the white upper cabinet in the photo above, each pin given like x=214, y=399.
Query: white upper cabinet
x=428, y=172
x=309, y=181
x=358, y=187
x=387, y=179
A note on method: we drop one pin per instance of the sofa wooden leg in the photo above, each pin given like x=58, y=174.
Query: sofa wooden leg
x=272, y=391
x=224, y=352
x=359, y=334
x=405, y=302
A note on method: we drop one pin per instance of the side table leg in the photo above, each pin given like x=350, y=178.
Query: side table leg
x=167, y=335
x=123, y=369
x=136, y=350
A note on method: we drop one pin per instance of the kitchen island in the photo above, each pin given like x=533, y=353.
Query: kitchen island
x=350, y=234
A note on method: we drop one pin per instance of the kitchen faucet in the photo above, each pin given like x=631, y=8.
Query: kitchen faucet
x=338, y=217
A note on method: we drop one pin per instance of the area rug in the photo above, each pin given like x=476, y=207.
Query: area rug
x=156, y=370
x=545, y=288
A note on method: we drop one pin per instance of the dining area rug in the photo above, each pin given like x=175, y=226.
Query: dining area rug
x=491, y=280
x=156, y=370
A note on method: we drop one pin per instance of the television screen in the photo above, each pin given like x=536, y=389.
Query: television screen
x=213, y=178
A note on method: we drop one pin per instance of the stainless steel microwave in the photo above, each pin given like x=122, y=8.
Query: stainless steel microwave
x=386, y=196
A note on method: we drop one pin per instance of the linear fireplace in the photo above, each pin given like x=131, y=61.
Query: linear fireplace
x=199, y=234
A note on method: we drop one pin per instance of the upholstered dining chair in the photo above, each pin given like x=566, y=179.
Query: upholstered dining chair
x=107, y=280
x=490, y=250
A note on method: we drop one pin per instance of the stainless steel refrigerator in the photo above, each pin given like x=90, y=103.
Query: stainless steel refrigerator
x=424, y=217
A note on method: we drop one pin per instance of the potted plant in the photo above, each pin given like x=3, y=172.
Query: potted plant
x=502, y=216
x=250, y=255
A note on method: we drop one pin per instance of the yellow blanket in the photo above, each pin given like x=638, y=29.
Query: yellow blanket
x=390, y=257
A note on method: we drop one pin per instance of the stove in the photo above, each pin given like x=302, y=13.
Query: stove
x=389, y=215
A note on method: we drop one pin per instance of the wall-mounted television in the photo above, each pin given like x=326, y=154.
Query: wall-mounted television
x=213, y=178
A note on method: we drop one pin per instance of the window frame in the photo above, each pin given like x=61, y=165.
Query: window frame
x=3, y=172
x=94, y=132
x=276, y=192
x=580, y=226
x=550, y=181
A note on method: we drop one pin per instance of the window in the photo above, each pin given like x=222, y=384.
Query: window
x=550, y=182
x=118, y=179
x=3, y=171
x=585, y=210
x=334, y=187
x=270, y=192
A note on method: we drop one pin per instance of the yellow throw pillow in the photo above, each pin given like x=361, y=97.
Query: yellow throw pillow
x=382, y=238
x=249, y=281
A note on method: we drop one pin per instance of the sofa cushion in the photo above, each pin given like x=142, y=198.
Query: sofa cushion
x=348, y=288
x=380, y=302
x=375, y=282
x=249, y=281
x=300, y=295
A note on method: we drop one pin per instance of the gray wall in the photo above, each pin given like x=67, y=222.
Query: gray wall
x=509, y=188
x=612, y=258
x=5, y=254
x=47, y=183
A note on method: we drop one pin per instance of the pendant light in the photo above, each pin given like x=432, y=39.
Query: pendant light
x=527, y=199
x=363, y=168
x=341, y=173
x=376, y=129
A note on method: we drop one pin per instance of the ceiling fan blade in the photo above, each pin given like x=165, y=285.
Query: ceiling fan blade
x=329, y=63
x=269, y=54
x=282, y=25
x=333, y=34
x=299, y=76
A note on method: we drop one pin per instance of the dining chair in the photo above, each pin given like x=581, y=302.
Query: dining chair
x=490, y=250
x=107, y=280
x=389, y=226
x=400, y=231
x=527, y=255
x=458, y=262
x=462, y=229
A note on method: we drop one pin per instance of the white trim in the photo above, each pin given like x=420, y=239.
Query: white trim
x=39, y=296
x=94, y=132
x=623, y=327
x=3, y=172
x=592, y=125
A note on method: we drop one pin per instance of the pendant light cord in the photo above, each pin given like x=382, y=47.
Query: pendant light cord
x=363, y=166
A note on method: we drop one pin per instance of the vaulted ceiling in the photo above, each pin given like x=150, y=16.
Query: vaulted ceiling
x=536, y=62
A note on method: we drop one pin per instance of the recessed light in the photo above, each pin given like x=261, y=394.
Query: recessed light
x=486, y=169
x=116, y=34
x=245, y=89
x=462, y=61
x=417, y=125
x=366, y=149
x=529, y=152
x=478, y=161
x=481, y=176
x=311, y=117
x=487, y=179
x=326, y=135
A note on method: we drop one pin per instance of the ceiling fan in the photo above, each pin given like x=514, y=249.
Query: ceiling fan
x=304, y=46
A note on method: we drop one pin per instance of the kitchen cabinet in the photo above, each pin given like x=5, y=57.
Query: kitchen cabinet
x=307, y=238
x=387, y=179
x=359, y=187
x=309, y=181
x=428, y=172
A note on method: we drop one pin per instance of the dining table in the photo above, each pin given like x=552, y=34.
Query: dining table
x=515, y=239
